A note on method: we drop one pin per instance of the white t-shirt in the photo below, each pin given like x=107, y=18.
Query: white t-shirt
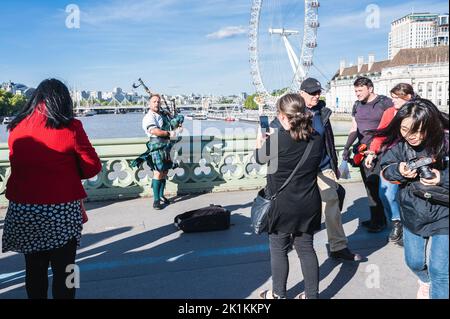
x=152, y=120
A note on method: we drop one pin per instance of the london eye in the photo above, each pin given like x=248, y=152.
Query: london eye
x=282, y=39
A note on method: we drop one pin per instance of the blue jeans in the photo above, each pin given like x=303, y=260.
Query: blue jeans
x=435, y=271
x=388, y=195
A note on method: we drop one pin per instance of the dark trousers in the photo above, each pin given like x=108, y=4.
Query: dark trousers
x=371, y=179
x=36, y=272
x=280, y=244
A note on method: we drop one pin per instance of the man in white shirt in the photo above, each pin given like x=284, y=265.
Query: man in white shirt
x=158, y=128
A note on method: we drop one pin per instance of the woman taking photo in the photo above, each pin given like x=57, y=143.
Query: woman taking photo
x=50, y=154
x=420, y=132
x=296, y=212
x=400, y=94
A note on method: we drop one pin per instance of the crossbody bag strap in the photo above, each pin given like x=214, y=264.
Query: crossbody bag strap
x=299, y=164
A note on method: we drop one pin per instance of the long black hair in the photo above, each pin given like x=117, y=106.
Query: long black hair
x=425, y=117
x=58, y=105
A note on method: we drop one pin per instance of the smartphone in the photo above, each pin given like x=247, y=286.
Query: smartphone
x=264, y=123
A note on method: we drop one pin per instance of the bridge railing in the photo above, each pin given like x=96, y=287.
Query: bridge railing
x=207, y=164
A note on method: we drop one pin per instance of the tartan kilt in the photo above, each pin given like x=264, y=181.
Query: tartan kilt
x=157, y=157
x=160, y=160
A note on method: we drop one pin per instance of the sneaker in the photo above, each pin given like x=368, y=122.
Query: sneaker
x=345, y=254
x=424, y=290
x=396, y=232
x=157, y=205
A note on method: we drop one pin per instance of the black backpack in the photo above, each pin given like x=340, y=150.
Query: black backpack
x=205, y=219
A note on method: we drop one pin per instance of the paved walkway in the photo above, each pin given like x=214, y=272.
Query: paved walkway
x=130, y=251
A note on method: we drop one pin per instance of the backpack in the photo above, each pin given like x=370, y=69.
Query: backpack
x=211, y=218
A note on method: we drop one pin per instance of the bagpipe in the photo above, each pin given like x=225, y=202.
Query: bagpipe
x=171, y=111
x=157, y=155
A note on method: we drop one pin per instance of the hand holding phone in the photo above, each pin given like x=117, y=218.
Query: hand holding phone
x=264, y=123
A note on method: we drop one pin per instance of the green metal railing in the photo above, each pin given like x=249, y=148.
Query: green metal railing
x=207, y=164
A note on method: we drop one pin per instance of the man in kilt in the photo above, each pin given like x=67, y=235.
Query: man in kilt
x=160, y=128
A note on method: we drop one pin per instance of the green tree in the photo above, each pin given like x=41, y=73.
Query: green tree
x=11, y=104
x=3, y=102
x=250, y=104
x=17, y=103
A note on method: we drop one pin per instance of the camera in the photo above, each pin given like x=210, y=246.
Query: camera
x=421, y=165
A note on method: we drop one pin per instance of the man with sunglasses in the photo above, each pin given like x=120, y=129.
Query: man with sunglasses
x=328, y=175
x=331, y=192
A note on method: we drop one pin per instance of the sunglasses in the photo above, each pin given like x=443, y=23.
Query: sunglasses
x=315, y=93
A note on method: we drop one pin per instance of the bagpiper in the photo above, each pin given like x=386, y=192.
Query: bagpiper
x=162, y=131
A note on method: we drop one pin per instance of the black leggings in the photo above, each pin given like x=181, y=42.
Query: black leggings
x=280, y=244
x=36, y=272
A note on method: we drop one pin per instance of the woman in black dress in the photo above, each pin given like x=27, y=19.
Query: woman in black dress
x=296, y=212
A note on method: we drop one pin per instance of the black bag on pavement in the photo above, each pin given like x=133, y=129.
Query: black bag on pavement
x=205, y=219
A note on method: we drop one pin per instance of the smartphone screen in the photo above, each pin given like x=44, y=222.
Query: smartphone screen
x=264, y=122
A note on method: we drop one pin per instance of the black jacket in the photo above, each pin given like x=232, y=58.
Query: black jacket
x=418, y=215
x=325, y=114
x=298, y=207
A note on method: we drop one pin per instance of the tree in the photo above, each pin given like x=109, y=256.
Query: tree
x=250, y=104
x=11, y=104
x=17, y=103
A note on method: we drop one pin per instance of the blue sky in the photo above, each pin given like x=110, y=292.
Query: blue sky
x=176, y=46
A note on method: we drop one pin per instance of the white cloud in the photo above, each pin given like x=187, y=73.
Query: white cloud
x=228, y=32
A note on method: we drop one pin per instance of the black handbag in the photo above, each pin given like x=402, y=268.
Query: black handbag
x=261, y=205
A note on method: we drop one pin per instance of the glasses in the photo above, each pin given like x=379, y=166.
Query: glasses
x=315, y=93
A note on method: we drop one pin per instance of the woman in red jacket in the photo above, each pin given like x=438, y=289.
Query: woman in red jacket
x=50, y=154
x=401, y=94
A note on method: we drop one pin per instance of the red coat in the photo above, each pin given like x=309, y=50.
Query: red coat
x=47, y=165
x=387, y=118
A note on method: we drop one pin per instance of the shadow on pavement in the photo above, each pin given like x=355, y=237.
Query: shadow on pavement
x=166, y=263
x=360, y=242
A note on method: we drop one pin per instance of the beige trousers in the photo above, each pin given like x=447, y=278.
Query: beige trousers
x=327, y=182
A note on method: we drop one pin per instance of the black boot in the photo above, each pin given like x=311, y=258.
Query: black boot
x=157, y=205
x=397, y=231
x=377, y=222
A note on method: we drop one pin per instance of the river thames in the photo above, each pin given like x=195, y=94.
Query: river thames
x=103, y=126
